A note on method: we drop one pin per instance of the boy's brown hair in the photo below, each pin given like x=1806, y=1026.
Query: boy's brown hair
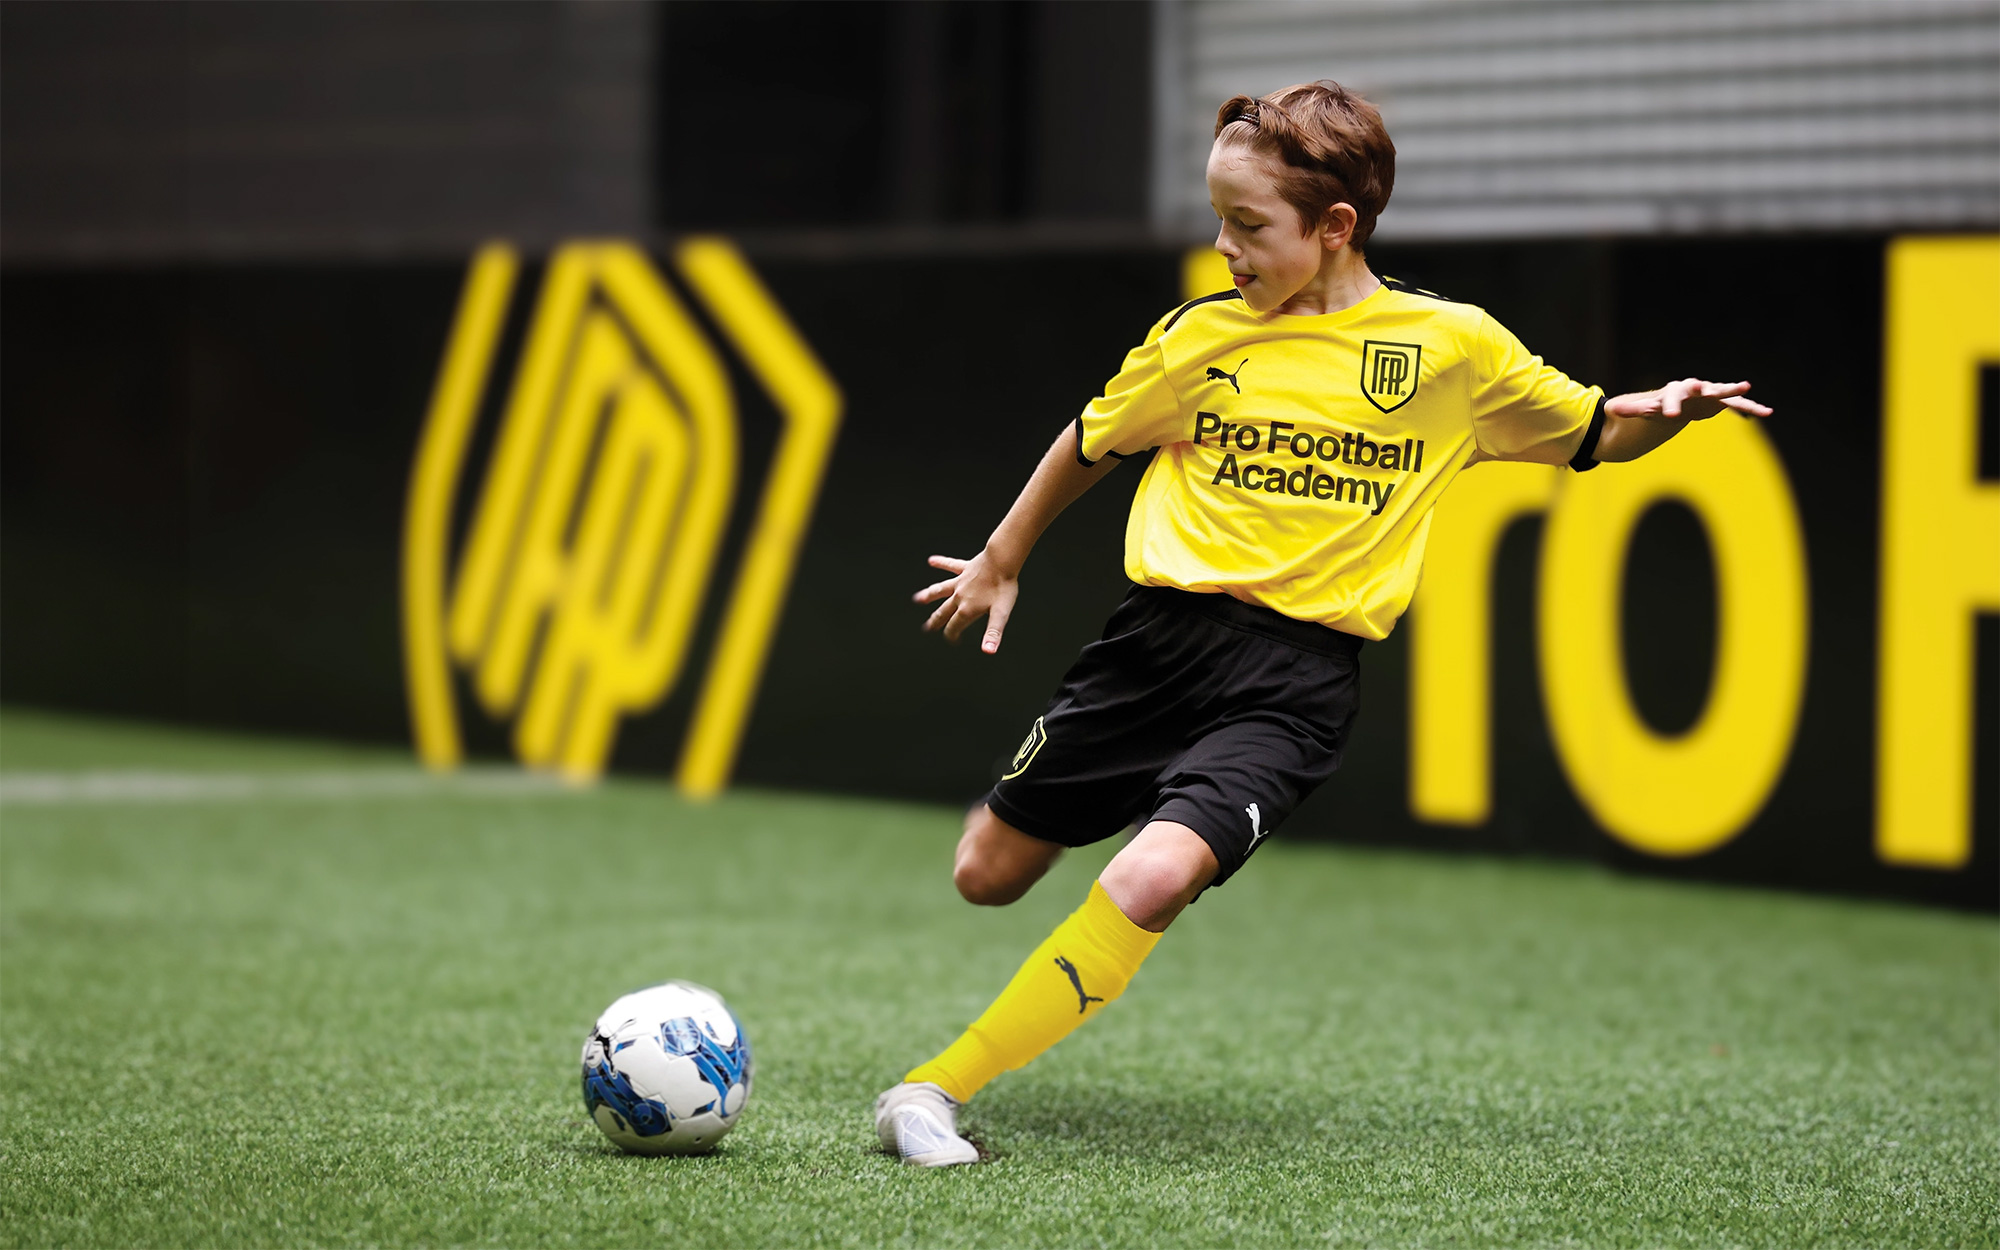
x=1333, y=147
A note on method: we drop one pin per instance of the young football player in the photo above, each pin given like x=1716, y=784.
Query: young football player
x=1305, y=423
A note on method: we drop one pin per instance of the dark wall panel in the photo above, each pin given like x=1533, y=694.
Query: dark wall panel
x=201, y=486
x=177, y=129
x=902, y=113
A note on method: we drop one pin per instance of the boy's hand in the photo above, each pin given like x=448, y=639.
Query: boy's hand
x=1689, y=399
x=988, y=583
x=978, y=587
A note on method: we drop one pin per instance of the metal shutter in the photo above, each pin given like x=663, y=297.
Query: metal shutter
x=1566, y=117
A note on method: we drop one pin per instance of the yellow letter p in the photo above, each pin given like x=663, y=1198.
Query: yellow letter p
x=1940, y=543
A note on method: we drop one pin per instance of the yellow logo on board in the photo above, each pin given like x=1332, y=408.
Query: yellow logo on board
x=594, y=541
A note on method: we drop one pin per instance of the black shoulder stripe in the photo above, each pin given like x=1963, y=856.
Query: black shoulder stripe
x=1585, y=458
x=1397, y=284
x=1082, y=459
x=1206, y=299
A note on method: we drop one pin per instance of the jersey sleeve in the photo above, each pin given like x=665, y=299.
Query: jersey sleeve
x=1523, y=409
x=1138, y=409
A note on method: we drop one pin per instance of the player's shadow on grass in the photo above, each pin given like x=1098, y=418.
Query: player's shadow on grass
x=1159, y=1127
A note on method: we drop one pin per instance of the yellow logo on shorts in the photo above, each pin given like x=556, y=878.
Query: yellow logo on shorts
x=1029, y=746
x=1390, y=372
x=613, y=472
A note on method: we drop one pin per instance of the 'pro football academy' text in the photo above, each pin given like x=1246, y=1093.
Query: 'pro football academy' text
x=1347, y=449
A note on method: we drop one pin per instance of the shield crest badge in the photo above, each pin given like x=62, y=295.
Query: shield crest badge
x=1390, y=373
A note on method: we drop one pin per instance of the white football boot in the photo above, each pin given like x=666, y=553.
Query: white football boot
x=920, y=1122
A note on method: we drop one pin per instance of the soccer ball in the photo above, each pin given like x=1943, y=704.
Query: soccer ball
x=666, y=1070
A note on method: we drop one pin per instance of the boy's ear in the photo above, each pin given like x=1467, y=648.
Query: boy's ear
x=1337, y=229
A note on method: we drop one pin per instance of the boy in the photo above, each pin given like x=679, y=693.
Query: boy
x=1306, y=423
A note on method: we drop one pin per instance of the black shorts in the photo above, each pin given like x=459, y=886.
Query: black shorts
x=1194, y=708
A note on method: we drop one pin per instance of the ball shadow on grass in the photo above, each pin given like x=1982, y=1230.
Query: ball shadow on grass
x=597, y=1146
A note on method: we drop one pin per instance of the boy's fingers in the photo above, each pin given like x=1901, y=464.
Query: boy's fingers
x=935, y=590
x=950, y=564
x=996, y=624
x=937, y=619
x=961, y=620
x=1748, y=407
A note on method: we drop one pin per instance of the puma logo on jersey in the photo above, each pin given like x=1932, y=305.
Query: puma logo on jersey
x=1083, y=1000
x=1217, y=375
x=1256, y=833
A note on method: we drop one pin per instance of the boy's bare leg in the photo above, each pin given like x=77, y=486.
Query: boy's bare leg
x=1155, y=876
x=996, y=862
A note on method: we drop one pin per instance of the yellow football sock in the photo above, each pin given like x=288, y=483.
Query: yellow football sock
x=1083, y=965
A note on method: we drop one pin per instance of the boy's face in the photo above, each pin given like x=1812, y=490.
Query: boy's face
x=1268, y=248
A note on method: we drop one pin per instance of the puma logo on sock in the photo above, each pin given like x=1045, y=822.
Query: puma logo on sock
x=1083, y=1000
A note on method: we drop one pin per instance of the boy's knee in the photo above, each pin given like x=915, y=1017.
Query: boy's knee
x=1158, y=874
x=997, y=863
x=979, y=882
x=1151, y=880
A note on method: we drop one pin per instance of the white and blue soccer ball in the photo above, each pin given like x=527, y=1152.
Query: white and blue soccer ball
x=667, y=1070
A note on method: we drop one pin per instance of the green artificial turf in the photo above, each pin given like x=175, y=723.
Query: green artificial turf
x=315, y=1019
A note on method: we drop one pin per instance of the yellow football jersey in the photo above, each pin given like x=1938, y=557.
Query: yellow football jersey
x=1300, y=457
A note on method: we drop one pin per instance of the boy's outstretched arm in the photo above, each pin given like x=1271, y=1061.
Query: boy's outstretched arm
x=1635, y=424
x=988, y=583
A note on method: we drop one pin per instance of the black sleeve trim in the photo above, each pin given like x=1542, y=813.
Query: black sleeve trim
x=1082, y=459
x=1206, y=299
x=1585, y=458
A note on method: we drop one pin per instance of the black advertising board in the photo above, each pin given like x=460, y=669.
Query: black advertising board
x=237, y=497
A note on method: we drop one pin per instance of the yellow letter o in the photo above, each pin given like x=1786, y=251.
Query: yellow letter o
x=1687, y=794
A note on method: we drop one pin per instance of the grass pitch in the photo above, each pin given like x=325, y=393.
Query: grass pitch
x=315, y=1002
